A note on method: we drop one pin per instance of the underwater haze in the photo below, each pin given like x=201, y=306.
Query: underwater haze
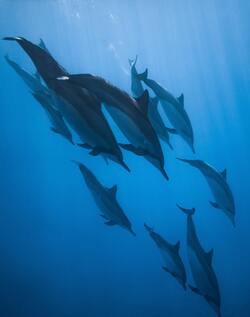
x=57, y=258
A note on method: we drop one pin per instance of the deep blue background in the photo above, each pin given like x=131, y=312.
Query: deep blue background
x=56, y=256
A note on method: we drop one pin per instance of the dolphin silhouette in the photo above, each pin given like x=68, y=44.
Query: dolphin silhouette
x=153, y=113
x=129, y=114
x=170, y=255
x=105, y=199
x=219, y=187
x=80, y=109
x=201, y=266
x=174, y=109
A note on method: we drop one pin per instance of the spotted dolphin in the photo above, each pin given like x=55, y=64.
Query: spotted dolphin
x=201, y=266
x=80, y=109
x=174, y=109
x=55, y=117
x=170, y=255
x=129, y=114
x=153, y=112
x=105, y=199
x=219, y=187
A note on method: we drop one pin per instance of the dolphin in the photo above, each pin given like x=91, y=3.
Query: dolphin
x=55, y=117
x=80, y=109
x=174, y=109
x=201, y=266
x=217, y=182
x=129, y=114
x=153, y=113
x=105, y=199
x=171, y=256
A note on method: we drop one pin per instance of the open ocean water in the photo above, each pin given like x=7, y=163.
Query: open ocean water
x=57, y=258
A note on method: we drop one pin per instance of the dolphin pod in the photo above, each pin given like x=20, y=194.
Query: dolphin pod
x=130, y=115
x=105, y=199
x=170, y=254
x=153, y=113
x=80, y=109
x=76, y=100
x=201, y=266
x=219, y=187
x=174, y=109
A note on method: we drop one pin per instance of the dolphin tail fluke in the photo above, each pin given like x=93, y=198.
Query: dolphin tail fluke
x=143, y=76
x=132, y=62
x=149, y=229
x=132, y=232
x=164, y=173
x=187, y=211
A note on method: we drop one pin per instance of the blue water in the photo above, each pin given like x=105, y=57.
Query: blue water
x=57, y=258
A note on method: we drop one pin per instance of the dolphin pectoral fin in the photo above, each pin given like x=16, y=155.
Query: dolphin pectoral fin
x=195, y=290
x=85, y=146
x=215, y=205
x=171, y=130
x=103, y=216
x=166, y=269
x=131, y=148
x=55, y=130
x=110, y=223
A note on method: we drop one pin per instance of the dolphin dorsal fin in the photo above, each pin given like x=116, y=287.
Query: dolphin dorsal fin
x=224, y=173
x=143, y=102
x=209, y=255
x=112, y=190
x=181, y=100
x=177, y=246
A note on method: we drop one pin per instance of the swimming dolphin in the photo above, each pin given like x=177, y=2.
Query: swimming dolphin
x=219, y=187
x=80, y=109
x=55, y=117
x=129, y=114
x=153, y=113
x=171, y=256
x=106, y=200
x=174, y=109
x=201, y=266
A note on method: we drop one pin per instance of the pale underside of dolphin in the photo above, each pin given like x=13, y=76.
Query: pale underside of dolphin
x=80, y=109
x=153, y=112
x=217, y=182
x=105, y=199
x=174, y=109
x=129, y=114
x=170, y=254
x=201, y=266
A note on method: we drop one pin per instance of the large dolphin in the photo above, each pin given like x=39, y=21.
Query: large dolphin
x=201, y=266
x=55, y=117
x=129, y=114
x=174, y=109
x=219, y=187
x=106, y=200
x=171, y=256
x=153, y=112
x=79, y=108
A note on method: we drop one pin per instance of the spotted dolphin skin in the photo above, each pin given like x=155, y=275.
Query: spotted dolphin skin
x=105, y=199
x=170, y=255
x=201, y=266
x=174, y=109
x=219, y=187
x=55, y=117
x=129, y=114
x=153, y=112
x=80, y=109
